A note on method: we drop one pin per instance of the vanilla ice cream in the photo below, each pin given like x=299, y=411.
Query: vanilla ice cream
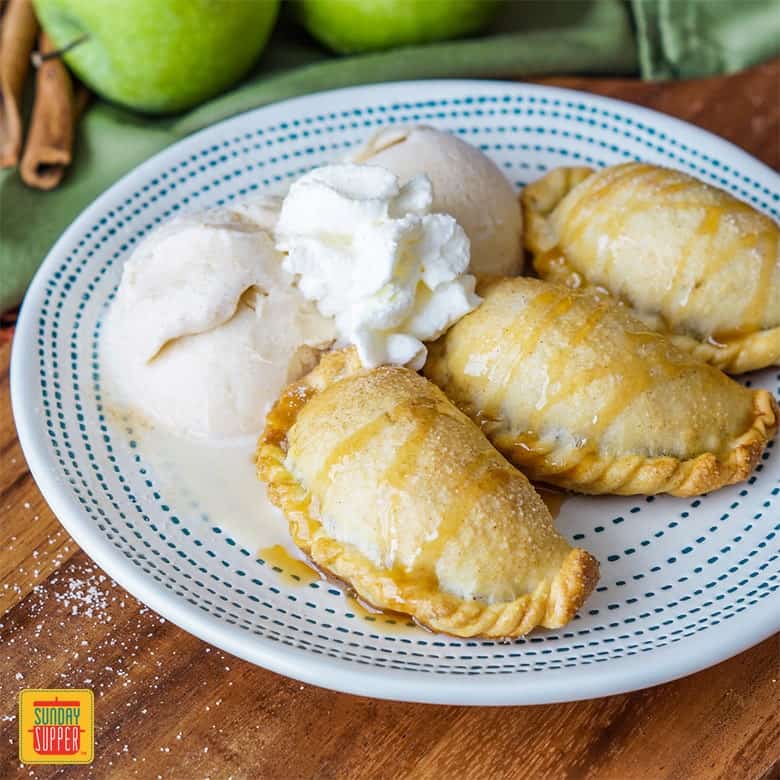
x=371, y=254
x=467, y=184
x=256, y=212
x=207, y=327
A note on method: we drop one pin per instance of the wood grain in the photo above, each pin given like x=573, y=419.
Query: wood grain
x=170, y=706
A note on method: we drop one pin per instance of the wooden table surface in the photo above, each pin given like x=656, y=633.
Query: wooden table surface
x=168, y=705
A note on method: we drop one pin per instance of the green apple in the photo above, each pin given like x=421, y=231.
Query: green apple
x=159, y=56
x=352, y=26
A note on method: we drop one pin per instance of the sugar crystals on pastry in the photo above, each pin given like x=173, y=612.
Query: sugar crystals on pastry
x=390, y=488
x=579, y=393
x=688, y=258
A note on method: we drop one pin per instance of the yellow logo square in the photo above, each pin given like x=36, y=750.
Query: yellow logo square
x=56, y=726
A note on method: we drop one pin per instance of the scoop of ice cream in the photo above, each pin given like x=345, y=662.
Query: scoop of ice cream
x=467, y=184
x=207, y=327
x=371, y=254
x=257, y=212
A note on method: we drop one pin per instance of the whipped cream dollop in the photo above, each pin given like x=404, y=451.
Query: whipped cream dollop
x=207, y=328
x=370, y=254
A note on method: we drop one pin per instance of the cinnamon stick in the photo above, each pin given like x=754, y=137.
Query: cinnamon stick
x=17, y=39
x=56, y=109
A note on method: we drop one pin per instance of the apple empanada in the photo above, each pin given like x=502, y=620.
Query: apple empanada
x=690, y=260
x=579, y=393
x=388, y=487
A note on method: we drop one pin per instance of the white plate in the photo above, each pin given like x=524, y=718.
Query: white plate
x=684, y=583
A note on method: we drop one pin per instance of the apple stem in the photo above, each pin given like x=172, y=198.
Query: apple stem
x=38, y=58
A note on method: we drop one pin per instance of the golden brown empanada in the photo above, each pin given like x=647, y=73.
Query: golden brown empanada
x=578, y=393
x=688, y=258
x=387, y=486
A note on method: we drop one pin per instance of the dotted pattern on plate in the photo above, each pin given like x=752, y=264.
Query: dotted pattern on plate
x=671, y=568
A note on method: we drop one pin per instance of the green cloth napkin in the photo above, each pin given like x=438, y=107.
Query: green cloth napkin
x=528, y=37
x=685, y=39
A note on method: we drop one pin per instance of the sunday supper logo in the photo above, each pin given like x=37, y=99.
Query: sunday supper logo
x=56, y=726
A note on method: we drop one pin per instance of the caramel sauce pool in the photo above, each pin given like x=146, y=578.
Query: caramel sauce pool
x=296, y=572
x=289, y=568
x=377, y=617
x=553, y=499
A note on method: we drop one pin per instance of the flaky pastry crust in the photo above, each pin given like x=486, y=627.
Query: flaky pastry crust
x=625, y=475
x=747, y=346
x=632, y=397
x=551, y=602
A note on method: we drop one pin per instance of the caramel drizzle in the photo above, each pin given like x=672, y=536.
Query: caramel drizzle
x=485, y=475
x=607, y=184
x=635, y=203
x=540, y=313
x=581, y=214
x=558, y=368
x=754, y=312
x=555, y=261
x=633, y=382
x=424, y=413
x=463, y=494
x=708, y=228
x=719, y=258
x=611, y=184
x=726, y=255
x=351, y=445
x=636, y=375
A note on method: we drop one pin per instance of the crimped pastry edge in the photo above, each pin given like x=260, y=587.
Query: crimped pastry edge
x=738, y=355
x=552, y=604
x=625, y=475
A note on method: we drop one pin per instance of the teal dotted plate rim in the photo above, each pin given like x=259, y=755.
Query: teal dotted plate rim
x=685, y=583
